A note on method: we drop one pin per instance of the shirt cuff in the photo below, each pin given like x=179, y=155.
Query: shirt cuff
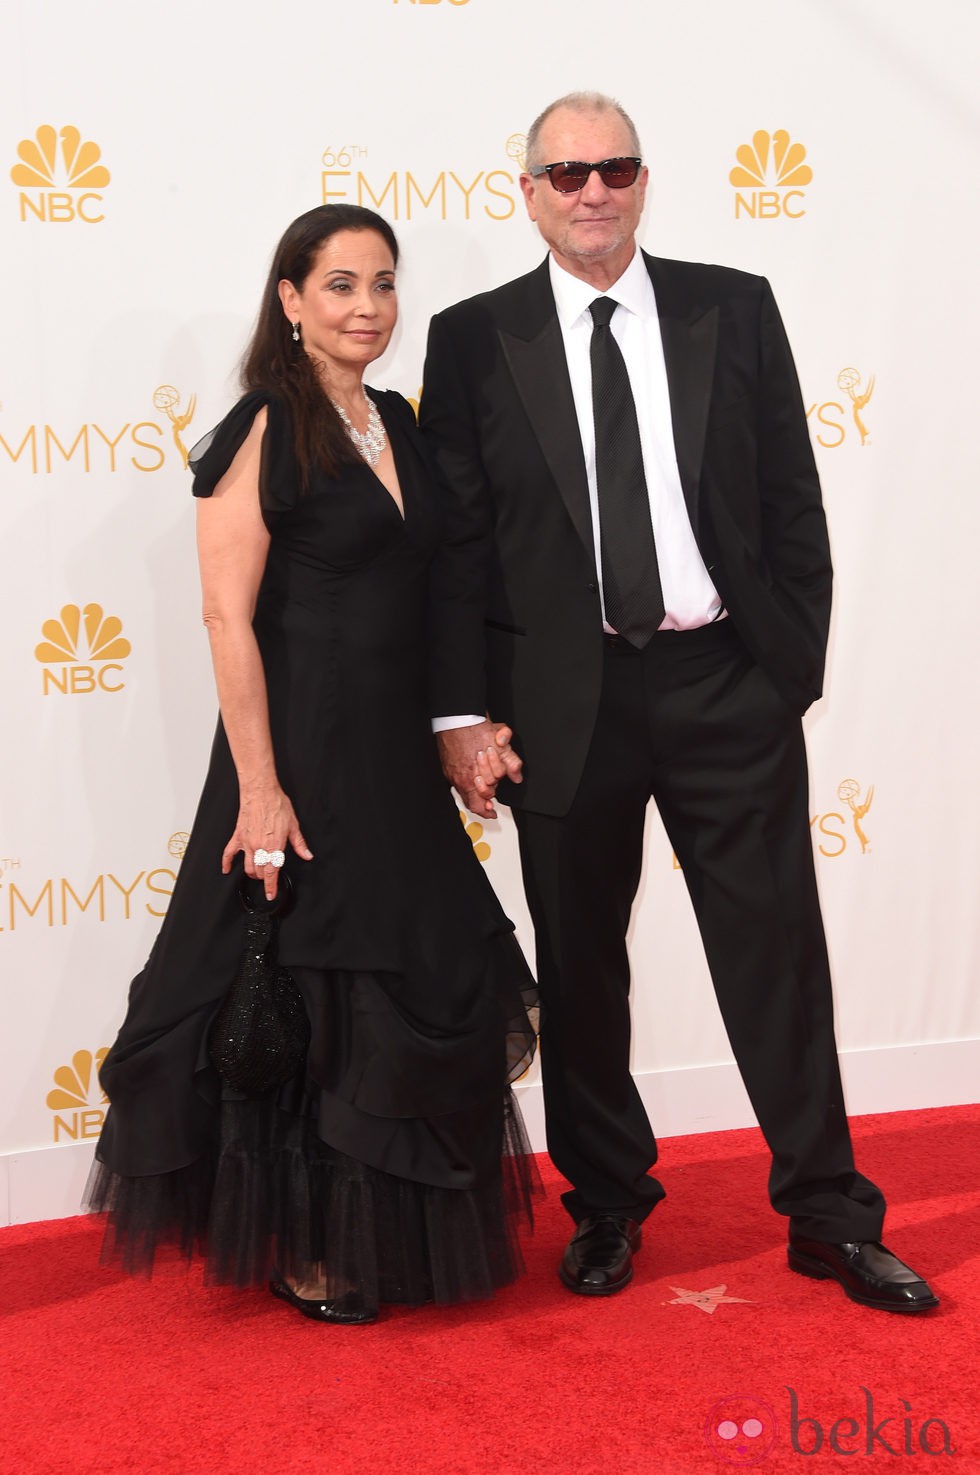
x=443, y=724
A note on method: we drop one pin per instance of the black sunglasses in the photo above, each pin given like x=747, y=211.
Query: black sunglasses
x=570, y=176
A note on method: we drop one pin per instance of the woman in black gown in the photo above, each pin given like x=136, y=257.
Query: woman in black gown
x=391, y=1166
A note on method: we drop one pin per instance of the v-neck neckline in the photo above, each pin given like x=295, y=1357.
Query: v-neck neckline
x=402, y=510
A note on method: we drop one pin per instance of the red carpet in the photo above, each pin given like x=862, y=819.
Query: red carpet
x=716, y=1335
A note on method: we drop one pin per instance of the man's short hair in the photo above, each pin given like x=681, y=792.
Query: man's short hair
x=578, y=102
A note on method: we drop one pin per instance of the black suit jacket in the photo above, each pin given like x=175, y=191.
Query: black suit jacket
x=517, y=621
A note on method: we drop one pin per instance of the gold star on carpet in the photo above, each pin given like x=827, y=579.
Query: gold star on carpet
x=707, y=1300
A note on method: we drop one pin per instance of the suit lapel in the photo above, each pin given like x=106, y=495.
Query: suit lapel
x=530, y=336
x=689, y=332
x=531, y=340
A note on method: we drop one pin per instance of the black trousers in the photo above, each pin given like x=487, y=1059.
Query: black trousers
x=695, y=723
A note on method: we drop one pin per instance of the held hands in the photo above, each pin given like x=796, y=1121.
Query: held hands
x=266, y=823
x=475, y=759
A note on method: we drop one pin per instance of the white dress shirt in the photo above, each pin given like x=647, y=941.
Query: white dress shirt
x=690, y=598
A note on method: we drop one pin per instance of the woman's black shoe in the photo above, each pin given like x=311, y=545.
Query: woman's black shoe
x=348, y=1309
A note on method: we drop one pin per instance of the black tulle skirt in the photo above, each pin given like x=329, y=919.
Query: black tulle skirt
x=277, y=1198
x=295, y=1183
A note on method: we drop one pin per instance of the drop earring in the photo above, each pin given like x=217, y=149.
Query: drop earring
x=296, y=332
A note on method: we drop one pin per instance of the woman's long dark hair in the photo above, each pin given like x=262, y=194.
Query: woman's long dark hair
x=274, y=363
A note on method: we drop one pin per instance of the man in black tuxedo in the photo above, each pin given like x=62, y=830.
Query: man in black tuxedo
x=637, y=582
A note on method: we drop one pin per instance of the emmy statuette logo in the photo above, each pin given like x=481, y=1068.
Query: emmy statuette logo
x=60, y=176
x=850, y=381
x=167, y=399
x=772, y=173
x=516, y=149
x=830, y=830
x=830, y=420
x=849, y=790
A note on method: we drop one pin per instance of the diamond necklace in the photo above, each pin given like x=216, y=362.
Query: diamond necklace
x=371, y=442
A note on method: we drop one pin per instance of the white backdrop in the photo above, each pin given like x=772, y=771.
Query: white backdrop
x=151, y=158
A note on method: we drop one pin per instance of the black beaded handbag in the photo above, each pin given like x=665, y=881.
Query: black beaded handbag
x=261, y=1032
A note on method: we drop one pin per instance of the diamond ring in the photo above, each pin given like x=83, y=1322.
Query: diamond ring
x=274, y=858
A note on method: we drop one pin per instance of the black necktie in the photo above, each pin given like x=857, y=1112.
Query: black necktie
x=630, y=578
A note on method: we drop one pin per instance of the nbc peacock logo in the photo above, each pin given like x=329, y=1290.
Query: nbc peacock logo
x=77, y=1100
x=60, y=175
x=772, y=170
x=82, y=652
x=474, y=831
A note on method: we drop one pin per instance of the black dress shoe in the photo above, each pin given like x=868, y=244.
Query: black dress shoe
x=347, y=1310
x=599, y=1257
x=870, y=1274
